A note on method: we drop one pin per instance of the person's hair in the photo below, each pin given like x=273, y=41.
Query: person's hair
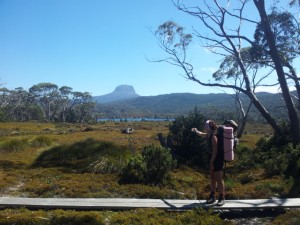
x=212, y=125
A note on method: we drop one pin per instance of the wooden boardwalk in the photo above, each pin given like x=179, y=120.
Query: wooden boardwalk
x=131, y=203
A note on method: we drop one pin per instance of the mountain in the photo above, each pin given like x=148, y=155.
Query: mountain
x=121, y=93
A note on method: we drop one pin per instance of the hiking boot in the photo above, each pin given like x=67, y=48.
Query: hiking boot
x=211, y=199
x=221, y=200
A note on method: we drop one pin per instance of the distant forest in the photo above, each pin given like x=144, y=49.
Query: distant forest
x=48, y=102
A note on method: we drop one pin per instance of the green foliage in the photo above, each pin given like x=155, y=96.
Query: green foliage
x=88, y=155
x=135, y=171
x=277, y=157
x=286, y=33
x=3, y=115
x=270, y=188
x=158, y=162
x=276, y=160
x=41, y=141
x=151, y=167
x=245, y=158
x=189, y=148
x=108, y=164
x=13, y=145
x=45, y=101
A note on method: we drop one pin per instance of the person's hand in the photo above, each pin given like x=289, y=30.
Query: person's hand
x=194, y=129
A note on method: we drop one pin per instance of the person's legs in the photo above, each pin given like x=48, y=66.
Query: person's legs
x=213, y=182
x=213, y=185
x=220, y=183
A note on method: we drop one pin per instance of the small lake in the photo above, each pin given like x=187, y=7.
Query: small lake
x=134, y=119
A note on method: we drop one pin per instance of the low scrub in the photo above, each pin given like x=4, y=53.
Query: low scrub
x=131, y=217
x=41, y=141
x=151, y=167
x=275, y=159
x=56, y=217
x=13, y=145
x=87, y=156
x=289, y=218
x=108, y=164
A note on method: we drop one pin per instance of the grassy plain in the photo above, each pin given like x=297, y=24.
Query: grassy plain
x=21, y=144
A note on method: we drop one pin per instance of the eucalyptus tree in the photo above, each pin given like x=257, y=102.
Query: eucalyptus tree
x=279, y=60
x=285, y=28
x=46, y=94
x=4, y=102
x=18, y=104
x=82, y=106
x=223, y=35
x=66, y=96
x=4, y=97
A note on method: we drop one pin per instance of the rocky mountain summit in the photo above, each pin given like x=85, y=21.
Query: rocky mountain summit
x=122, y=92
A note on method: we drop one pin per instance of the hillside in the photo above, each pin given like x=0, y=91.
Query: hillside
x=173, y=105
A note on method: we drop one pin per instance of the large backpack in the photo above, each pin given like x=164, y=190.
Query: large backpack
x=226, y=141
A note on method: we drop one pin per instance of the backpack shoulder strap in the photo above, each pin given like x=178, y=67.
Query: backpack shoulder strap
x=220, y=136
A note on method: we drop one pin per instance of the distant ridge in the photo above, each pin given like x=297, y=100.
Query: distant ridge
x=121, y=93
x=214, y=105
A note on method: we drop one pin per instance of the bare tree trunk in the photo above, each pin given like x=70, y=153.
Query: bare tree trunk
x=265, y=114
x=294, y=120
x=243, y=117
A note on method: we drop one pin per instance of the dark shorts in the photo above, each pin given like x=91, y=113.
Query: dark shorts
x=218, y=163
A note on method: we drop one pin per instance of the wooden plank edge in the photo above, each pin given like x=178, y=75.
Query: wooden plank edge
x=126, y=204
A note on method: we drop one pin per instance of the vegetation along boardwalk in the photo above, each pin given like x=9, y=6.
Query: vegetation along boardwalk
x=131, y=203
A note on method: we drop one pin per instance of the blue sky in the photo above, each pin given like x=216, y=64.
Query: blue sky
x=93, y=46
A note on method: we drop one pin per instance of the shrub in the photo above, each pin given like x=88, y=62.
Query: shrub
x=188, y=147
x=245, y=158
x=89, y=155
x=275, y=160
x=158, y=162
x=151, y=167
x=135, y=171
x=108, y=164
x=41, y=141
x=13, y=145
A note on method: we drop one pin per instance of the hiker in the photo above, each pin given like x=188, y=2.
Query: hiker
x=216, y=163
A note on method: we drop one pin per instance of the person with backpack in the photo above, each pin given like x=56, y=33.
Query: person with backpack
x=216, y=163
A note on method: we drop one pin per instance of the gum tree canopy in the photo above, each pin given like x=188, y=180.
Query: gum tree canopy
x=248, y=59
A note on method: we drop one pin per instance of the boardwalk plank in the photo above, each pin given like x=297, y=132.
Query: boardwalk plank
x=132, y=203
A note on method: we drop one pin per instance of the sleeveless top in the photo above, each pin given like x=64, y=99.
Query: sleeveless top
x=220, y=152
